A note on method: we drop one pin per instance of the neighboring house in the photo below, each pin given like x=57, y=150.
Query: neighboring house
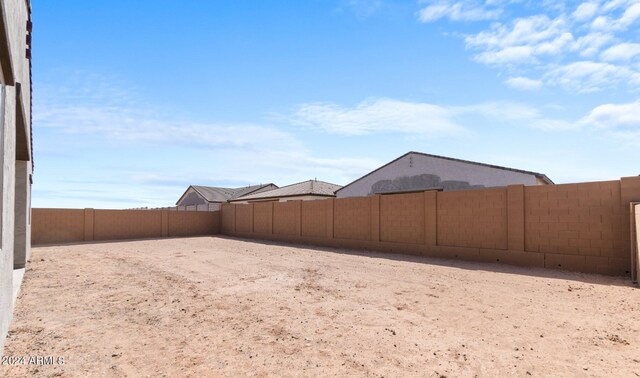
x=196, y=195
x=305, y=191
x=15, y=152
x=415, y=171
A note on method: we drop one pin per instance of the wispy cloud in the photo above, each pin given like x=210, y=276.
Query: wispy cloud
x=468, y=10
x=420, y=119
x=593, y=37
x=378, y=116
x=589, y=76
x=184, y=152
x=364, y=8
x=621, y=52
x=586, y=11
x=101, y=109
x=455, y=121
x=523, y=83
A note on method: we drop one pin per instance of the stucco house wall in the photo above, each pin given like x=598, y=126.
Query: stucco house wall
x=15, y=147
x=415, y=171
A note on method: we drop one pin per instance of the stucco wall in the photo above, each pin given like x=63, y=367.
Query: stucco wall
x=418, y=172
x=14, y=237
x=6, y=228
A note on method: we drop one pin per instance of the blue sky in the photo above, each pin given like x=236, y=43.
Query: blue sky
x=136, y=100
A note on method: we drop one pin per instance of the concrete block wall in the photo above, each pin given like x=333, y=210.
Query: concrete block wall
x=183, y=223
x=57, y=225
x=402, y=218
x=126, y=224
x=352, y=218
x=473, y=218
x=263, y=217
x=53, y=226
x=244, y=218
x=228, y=217
x=582, y=227
x=314, y=219
x=286, y=217
x=578, y=226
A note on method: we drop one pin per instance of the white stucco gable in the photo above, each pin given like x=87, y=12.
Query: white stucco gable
x=418, y=171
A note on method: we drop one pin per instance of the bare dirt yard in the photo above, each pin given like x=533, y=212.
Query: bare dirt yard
x=216, y=306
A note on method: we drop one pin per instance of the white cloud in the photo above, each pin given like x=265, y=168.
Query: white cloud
x=98, y=111
x=522, y=32
x=394, y=116
x=364, y=8
x=121, y=123
x=615, y=4
x=621, y=52
x=589, y=76
x=590, y=44
x=468, y=10
x=585, y=11
x=619, y=117
x=569, y=44
x=602, y=22
x=97, y=106
x=420, y=119
x=521, y=42
x=375, y=116
x=630, y=16
x=523, y=83
x=499, y=111
x=508, y=55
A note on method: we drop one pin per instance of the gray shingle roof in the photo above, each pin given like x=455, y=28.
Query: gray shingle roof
x=214, y=194
x=311, y=187
x=252, y=189
x=218, y=194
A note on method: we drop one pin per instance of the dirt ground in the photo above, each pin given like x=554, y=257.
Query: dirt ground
x=229, y=307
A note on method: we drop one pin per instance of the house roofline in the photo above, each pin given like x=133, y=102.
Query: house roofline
x=205, y=198
x=185, y=192
x=258, y=188
x=295, y=183
x=538, y=175
x=285, y=196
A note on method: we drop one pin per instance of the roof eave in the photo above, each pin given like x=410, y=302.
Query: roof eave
x=546, y=179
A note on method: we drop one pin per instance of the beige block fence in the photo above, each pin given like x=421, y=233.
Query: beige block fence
x=587, y=227
x=582, y=227
x=51, y=226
